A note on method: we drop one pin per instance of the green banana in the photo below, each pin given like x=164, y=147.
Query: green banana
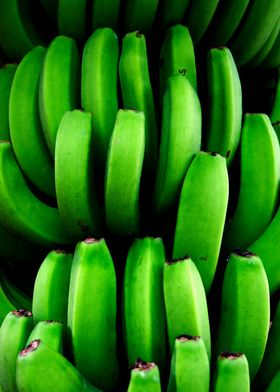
x=270, y=364
x=275, y=110
x=172, y=13
x=51, y=287
x=258, y=23
x=144, y=315
x=276, y=127
x=19, y=298
x=226, y=20
x=144, y=376
x=137, y=92
x=123, y=172
x=39, y=368
x=91, y=318
x=50, y=332
x=105, y=14
x=190, y=368
x=232, y=373
x=59, y=85
x=260, y=56
x=177, y=56
x=245, y=308
x=7, y=303
x=17, y=32
x=25, y=127
x=13, y=335
x=201, y=214
x=140, y=15
x=259, y=183
x=71, y=18
x=273, y=58
x=185, y=302
x=99, y=89
x=180, y=140
x=223, y=126
x=7, y=73
x=74, y=173
x=275, y=383
x=199, y=16
x=22, y=212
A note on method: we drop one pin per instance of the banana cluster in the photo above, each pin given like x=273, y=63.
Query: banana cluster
x=139, y=194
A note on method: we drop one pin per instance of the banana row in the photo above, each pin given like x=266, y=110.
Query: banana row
x=162, y=300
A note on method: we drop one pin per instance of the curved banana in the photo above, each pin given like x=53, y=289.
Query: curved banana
x=19, y=298
x=51, y=287
x=105, y=14
x=144, y=315
x=7, y=73
x=59, y=85
x=140, y=15
x=261, y=55
x=50, y=332
x=201, y=214
x=22, y=212
x=185, y=302
x=177, y=57
x=180, y=140
x=25, y=128
x=123, y=172
x=258, y=23
x=39, y=368
x=199, y=16
x=190, y=367
x=232, y=373
x=270, y=364
x=223, y=125
x=99, y=89
x=91, y=319
x=137, y=92
x=144, y=376
x=8, y=304
x=245, y=309
x=226, y=20
x=273, y=58
x=17, y=32
x=171, y=13
x=74, y=176
x=71, y=18
x=275, y=110
x=259, y=183
x=14, y=332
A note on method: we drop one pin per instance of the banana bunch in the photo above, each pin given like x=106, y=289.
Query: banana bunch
x=139, y=195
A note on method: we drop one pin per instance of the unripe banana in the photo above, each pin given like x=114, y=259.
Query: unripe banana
x=72, y=18
x=99, y=89
x=92, y=314
x=232, y=373
x=7, y=73
x=144, y=377
x=140, y=15
x=259, y=183
x=201, y=214
x=274, y=386
x=123, y=173
x=59, y=85
x=137, y=92
x=245, y=309
x=190, y=368
x=185, y=302
x=51, y=287
x=8, y=304
x=50, y=332
x=223, y=127
x=39, y=368
x=22, y=212
x=17, y=32
x=74, y=176
x=14, y=332
x=273, y=58
x=143, y=303
x=177, y=56
x=19, y=298
x=180, y=140
x=25, y=127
